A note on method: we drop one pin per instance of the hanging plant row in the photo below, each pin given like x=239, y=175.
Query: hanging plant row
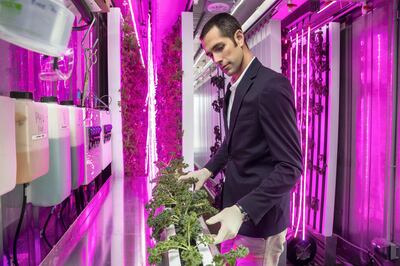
x=169, y=97
x=133, y=102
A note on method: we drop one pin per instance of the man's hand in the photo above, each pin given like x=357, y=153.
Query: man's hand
x=201, y=175
x=231, y=219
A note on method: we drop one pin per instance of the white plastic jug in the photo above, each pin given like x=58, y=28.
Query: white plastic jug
x=77, y=144
x=54, y=187
x=106, y=151
x=8, y=152
x=31, y=131
x=92, y=144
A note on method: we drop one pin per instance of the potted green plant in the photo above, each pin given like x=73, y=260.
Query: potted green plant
x=174, y=203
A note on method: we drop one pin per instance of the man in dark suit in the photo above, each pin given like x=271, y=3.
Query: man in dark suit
x=261, y=150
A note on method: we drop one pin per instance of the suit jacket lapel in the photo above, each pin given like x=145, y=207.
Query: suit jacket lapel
x=241, y=90
x=225, y=109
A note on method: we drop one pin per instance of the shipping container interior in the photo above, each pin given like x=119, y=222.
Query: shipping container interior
x=99, y=100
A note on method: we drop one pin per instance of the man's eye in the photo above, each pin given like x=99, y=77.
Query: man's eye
x=219, y=48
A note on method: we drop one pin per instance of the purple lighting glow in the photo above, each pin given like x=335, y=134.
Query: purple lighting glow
x=301, y=210
x=307, y=128
x=151, y=147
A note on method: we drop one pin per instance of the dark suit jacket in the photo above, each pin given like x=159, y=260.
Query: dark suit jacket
x=261, y=151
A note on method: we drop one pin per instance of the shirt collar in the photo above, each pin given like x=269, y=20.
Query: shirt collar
x=234, y=85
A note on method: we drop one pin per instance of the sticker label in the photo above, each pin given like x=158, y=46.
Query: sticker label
x=39, y=137
x=40, y=122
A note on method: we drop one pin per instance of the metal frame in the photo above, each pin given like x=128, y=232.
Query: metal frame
x=391, y=186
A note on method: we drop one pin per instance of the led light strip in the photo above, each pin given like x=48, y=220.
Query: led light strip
x=295, y=69
x=136, y=32
x=237, y=7
x=151, y=145
x=307, y=128
x=295, y=104
x=300, y=126
x=301, y=85
x=326, y=7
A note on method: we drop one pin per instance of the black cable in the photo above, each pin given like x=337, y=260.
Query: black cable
x=61, y=213
x=21, y=218
x=78, y=203
x=84, y=27
x=82, y=198
x=189, y=5
x=81, y=28
x=43, y=232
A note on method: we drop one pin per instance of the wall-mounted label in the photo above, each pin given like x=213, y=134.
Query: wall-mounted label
x=65, y=120
x=40, y=123
x=39, y=137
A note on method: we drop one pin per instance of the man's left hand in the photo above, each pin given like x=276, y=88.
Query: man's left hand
x=231, y=219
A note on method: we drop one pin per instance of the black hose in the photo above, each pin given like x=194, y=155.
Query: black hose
x=61, y=213
x=81, y=198
x=43, y=233
x=21, y=218
x=77, y=202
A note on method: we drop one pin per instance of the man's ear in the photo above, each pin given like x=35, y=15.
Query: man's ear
x=239, y=38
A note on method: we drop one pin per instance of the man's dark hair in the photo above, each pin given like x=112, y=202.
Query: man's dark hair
x=226, y=23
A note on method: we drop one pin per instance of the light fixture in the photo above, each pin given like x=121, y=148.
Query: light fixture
x=218, y=6
x=237, y=6
x=290, y=5
x=136, y=32
x=366, y=7
x=151, y=145
x=326, y=6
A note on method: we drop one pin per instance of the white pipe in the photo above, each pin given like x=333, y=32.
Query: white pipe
x=257, y=14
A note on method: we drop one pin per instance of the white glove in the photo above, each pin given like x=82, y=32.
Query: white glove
x=231, y=220
x=201, y=175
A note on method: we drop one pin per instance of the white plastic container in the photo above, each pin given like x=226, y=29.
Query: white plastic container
x=8, y=152
x=54, y=187
x=106, y=151
x=31, y=131
x=77, y=144
x=43, y=26
x=92, y=144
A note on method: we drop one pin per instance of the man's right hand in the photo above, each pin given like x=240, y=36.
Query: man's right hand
x=201, y=175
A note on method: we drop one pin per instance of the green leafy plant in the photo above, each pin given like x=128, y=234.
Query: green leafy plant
x=174, y=203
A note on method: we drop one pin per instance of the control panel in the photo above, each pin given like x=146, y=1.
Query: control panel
x=94, y=136
x=107, y=133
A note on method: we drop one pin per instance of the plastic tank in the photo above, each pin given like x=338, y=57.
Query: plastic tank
x=8, y=152
x=31, y=131
x=43, y=26
x=54, y=187
x=92, y=139
x=106, y=151
x=77, y=144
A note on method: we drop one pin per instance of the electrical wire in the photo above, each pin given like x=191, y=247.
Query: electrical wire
x=60, y=214
x=77, y=202
x=369, y=253
x=21, y=218
x=43, y=232
x=104, y=105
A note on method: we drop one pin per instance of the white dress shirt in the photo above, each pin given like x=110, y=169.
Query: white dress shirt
x=233, y=90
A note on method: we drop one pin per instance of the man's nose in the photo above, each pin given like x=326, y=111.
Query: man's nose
x=218, y=59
